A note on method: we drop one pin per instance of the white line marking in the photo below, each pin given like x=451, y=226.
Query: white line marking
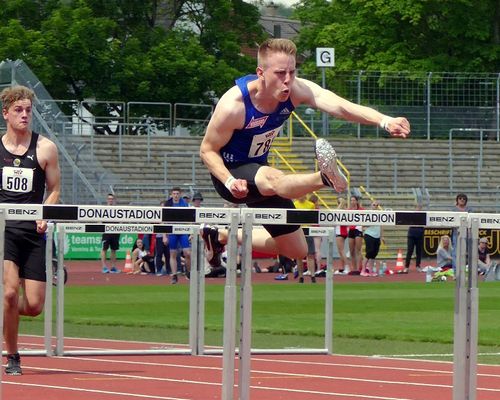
x=422, y=370
x=288, y=374
x=73, y=389
x=121, y=376
x=329, y=394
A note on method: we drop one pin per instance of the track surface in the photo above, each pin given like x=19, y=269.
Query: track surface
x=273, y=377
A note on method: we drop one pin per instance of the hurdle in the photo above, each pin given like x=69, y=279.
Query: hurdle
x=465, y=344
x=116, y=214
x=467, y=306
x=252, y=217
x=196, y=296
x=197, y=292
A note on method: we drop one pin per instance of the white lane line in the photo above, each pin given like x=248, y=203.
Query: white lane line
x=95, y=391
x=265, y=388
x=258, y=372
x=311, y=376
x=381, y=367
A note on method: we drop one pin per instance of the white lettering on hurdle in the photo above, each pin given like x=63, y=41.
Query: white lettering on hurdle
x=128, y=228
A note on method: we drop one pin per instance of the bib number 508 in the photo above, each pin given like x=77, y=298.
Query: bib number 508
x=16, y=184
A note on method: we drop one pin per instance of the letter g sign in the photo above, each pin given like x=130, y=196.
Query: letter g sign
x=325, y=57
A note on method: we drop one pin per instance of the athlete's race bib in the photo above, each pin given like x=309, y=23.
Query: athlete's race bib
x=17, y=179
x=261, y=143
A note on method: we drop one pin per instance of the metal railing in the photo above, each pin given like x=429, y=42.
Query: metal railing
x=454, y=131
x=420, y=168
x=192, y=155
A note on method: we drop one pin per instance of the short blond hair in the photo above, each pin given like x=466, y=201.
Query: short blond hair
x=15, y=93
x=275, y=46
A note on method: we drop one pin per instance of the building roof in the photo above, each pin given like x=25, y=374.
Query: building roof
x=280, y=27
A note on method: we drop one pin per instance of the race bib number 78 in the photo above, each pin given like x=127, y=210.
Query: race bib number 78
x=262, y=143
x=17, y=179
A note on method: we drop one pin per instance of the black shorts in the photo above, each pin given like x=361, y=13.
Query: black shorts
x=26, y=248
x=254, y=198
x=372, y=246
x=354, y=233
x=111, y=240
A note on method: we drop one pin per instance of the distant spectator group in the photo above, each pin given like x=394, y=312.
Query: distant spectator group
x=169, y=254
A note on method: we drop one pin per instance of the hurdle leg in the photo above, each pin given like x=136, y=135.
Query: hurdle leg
x=60, y=293
x=245, y=347
x=472, y=311
x=47, y=315
x=329, y=293
x=460, y=353
x=194, y=296
x=229, y=336
x=2, y=241
x=201, y=298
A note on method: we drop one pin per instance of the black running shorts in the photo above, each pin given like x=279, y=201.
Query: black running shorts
x=254, y=198
x=111, y=241
x=26, y=248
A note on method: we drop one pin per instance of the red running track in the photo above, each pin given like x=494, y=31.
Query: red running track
x=273, y=377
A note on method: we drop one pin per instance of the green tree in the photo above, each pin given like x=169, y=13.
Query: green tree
x=404, y=35
x=153, y=50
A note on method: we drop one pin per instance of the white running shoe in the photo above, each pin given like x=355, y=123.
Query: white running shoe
x=327, y=163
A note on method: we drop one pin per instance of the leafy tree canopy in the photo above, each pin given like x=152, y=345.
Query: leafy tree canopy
x=404, y=35
x=150, y=50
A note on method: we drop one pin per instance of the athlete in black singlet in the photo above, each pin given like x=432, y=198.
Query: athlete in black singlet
x=28, y=167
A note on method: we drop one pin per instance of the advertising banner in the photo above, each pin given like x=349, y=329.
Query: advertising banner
x=433, y=235
x=87, y=246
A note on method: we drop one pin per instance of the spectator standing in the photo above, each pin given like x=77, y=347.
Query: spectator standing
x=197, y=199
x=111, y=242
x=373, y=236
x=303, y=204
x=415, y=240
x=341, y=233
x=162, y=252
x=240, y=134
x=187, y=198
x=444, y=257
x=461, y=206
x=355, y=235
x=178, y=242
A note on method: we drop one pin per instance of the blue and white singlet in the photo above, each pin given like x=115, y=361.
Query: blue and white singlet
x=252, y=143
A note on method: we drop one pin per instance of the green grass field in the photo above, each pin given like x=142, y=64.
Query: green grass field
x=369, y=318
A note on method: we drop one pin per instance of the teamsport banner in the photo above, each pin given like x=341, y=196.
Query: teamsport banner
x=84, y=241
x=87, y=246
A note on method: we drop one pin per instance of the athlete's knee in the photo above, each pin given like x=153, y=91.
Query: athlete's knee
x=11, y=297
x=32, y=309
x=298, y=251
x=267, y=180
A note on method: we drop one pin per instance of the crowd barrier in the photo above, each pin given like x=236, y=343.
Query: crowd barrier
x=466, y=293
